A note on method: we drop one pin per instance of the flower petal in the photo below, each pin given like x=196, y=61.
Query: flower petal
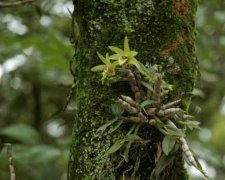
x=116, y=50
x=126, y=45
x=104, y=60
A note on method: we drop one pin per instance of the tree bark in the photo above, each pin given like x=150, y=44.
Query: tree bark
x=163, y=32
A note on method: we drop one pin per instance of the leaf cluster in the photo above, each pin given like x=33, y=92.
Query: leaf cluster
x=149, y=108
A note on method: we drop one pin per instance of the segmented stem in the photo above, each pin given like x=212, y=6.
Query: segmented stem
x=157, y=88
x=130, y=101
x=161, y=113
x=127, y=106
x=171, y=104
x=133, y=84
x=187, y=153
x=132, y=119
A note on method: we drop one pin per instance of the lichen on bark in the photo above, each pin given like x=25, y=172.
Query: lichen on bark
x=162, y=31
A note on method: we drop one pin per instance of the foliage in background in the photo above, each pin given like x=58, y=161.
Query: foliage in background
x=210, y=95
x=34, y=82
x=34, y=56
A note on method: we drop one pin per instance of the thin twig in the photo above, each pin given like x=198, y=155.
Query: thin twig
x=11, y=166
x=15, y=4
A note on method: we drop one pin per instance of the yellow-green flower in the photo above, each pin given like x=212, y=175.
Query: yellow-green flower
x=108, y=68
x=125, y=56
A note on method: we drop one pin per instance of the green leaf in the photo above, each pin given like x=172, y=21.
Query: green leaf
x=127, y=149
x=180, y=114
x=136, y=63
x=115, y=147
x=114, y=57
x=162, y=163
x=122, y=61
x=147, y=85
x=103, y=127
x=117, y=50
x=36, y=155
x=149, y=73
x=117, y=110
x=131, y=129
x=126, y=45
x=168, y=144
x=147, y=102
x=198, y=92
x=118, y=124
x=99, y=68
x=175, y=148
x=114, y=64
x=190, y=124
x=197, y=109
x=163, y=131
x=21, y=132
x=136, y=167
x=104, y=60
x=168, y=130
x=119, y=143
x=132, y=137
x=133, y=53
x=173, y=131
x=141, y=68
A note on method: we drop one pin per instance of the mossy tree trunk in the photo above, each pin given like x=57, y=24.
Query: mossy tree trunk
x=162, y=31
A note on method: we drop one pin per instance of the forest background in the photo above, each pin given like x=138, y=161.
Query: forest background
x=35, y=81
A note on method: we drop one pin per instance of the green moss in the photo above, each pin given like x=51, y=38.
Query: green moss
x=151, y=26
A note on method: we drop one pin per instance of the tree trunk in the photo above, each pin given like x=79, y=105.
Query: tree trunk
x=162, y=31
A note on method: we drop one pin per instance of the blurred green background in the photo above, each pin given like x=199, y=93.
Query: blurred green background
x=35, y=81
